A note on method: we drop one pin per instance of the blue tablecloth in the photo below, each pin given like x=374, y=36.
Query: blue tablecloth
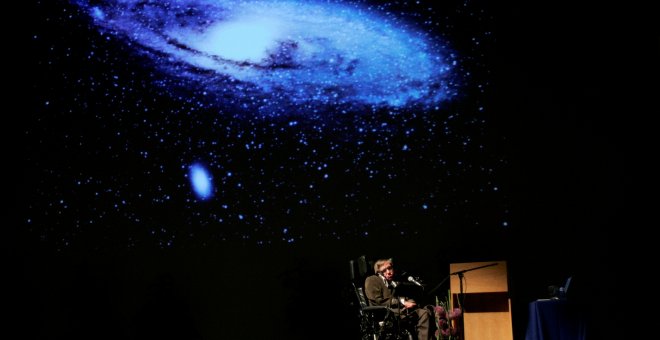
x=555, y=320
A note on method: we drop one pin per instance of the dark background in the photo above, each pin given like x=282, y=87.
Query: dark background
x=552, y=81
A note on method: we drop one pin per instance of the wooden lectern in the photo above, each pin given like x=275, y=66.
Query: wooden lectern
x=486, y=303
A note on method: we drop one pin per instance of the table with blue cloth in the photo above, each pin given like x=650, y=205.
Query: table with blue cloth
x=555, y=320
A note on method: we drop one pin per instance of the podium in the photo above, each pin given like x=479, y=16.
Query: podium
x=485, y=301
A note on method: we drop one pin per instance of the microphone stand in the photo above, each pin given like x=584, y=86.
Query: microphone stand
x=460, y=280
x=439, y=285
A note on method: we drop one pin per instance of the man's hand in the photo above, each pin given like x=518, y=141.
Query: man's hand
x=409, y=304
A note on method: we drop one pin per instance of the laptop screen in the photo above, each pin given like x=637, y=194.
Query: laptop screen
x=564, y=290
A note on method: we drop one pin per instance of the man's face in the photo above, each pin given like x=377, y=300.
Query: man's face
x=387, y=270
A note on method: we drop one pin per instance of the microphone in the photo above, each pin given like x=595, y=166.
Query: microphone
x=412, y=279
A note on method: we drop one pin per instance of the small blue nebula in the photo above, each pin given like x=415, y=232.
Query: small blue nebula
x=201, y=182
x=97, y=13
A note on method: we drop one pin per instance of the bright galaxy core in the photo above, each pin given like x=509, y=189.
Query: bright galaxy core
x=279, y=57
x=259, y=122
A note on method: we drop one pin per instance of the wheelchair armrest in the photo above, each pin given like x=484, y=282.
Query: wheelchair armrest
x=380, y=309
x=374, y=308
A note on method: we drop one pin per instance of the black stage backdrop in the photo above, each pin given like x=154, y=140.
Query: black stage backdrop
x=521, y=164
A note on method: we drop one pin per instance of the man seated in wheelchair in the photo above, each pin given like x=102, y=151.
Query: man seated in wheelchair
x=381, y=290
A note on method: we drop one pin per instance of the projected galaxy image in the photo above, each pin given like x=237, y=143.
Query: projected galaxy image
x=208, y=169
x=274, y=57
x=260, y=122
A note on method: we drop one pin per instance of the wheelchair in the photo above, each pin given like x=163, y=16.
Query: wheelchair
x=381, y=322
x=377, y=322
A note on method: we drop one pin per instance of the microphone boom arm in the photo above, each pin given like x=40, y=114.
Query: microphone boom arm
x=471, y=269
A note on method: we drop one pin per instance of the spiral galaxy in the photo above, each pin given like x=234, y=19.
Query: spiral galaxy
x=282, y=56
